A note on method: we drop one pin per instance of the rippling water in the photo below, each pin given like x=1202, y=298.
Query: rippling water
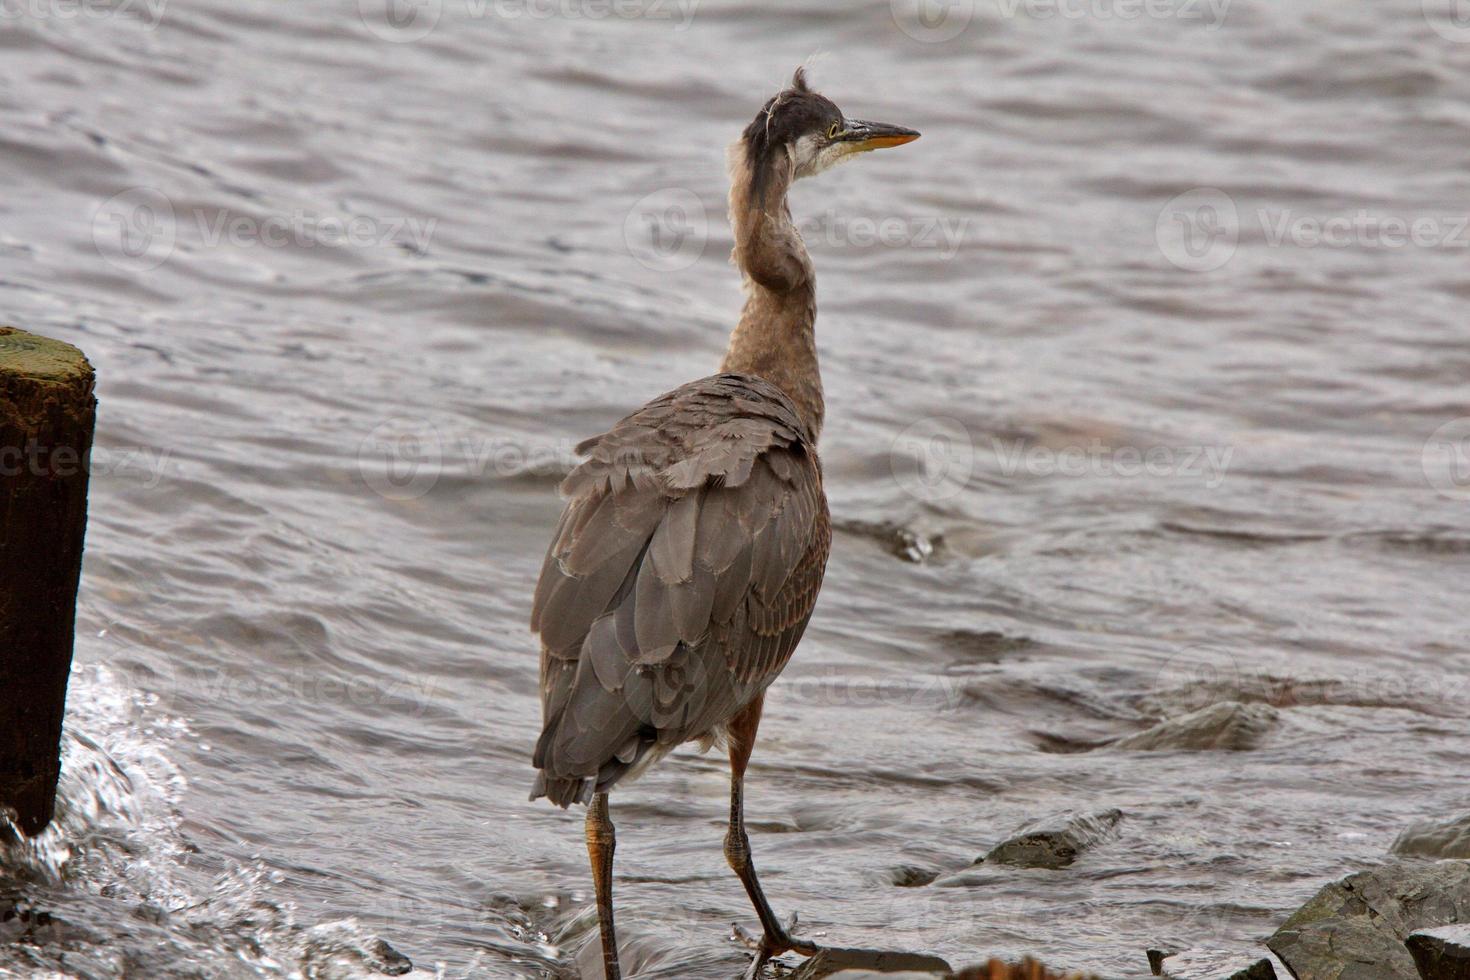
x=1142, y=369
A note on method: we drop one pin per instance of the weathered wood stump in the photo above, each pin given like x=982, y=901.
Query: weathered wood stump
x=47, y=411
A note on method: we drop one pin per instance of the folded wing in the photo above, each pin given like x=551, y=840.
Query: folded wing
x=683, y=571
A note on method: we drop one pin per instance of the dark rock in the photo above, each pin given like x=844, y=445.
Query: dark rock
x=1436, y=839
x=1355, y=929
x=1228, y=725
x=912, y=544
x=1156, y=957
x=1209, y=965
x=1441, y=954
x=387, y=960
x=1054, y=842
x=912, y=876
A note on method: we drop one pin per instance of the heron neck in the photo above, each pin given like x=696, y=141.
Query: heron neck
x=775, y=338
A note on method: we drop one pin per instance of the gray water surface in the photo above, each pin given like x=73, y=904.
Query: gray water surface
x=369, y=280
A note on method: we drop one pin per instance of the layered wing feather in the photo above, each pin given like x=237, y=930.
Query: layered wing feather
x=683, y=571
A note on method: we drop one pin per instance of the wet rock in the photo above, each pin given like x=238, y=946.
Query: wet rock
x=912, y=544
x=984, y=647
x=912, y=876
x=1156, y=957
x=1209, y=965
x=1441, y=954
x=386, y=960
x=1355, y=929
x=1054, y=842
x=1436, y=839
x=1229, y=726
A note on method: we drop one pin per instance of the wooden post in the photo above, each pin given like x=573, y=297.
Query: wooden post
x=47, y=412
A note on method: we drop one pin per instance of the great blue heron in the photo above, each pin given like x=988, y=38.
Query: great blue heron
x=695, y=535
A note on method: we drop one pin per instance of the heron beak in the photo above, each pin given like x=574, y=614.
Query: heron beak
x=864, y=136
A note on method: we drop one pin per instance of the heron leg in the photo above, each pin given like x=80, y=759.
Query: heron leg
x=775, y=939
x=601, y=843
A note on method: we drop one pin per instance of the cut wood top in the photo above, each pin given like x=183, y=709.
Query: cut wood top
x=33, y=356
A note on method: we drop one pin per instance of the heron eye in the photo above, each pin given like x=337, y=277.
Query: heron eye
x=832, y=131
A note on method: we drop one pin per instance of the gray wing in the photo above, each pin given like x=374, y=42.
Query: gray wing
x=680, y=578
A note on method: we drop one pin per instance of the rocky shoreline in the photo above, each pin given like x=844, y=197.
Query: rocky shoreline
x=1406, y=919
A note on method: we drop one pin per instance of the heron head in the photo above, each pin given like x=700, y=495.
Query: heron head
x=811, y=133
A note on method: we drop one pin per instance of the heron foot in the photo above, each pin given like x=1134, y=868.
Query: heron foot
x=772, y=944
